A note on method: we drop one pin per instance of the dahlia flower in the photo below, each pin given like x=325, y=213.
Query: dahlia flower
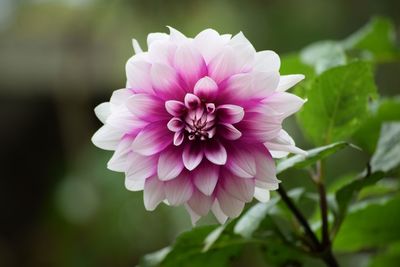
x=199, y=122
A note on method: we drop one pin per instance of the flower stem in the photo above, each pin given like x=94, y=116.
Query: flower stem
x=299, y=216
x=319, y=180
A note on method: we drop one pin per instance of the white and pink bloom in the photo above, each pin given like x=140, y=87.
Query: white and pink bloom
x=199, y=122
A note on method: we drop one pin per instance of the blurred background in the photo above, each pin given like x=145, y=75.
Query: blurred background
x=59, y=205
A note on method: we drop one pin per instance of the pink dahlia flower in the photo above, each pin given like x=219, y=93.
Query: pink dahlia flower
x=199, y=122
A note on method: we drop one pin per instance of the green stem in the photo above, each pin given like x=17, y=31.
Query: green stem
x=315, y=245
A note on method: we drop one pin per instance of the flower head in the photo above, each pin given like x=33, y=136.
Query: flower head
x=199, y=122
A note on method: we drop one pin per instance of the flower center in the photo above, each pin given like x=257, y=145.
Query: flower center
x=200, y=121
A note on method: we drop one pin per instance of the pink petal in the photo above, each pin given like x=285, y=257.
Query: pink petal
x=176, y=36
x=178, y=138
x=123, y=120
x=138, y=76
x=206, y=89
x=205, y=177
x=244, y=52
x=228, y=131
x=209, y=43
x=194, y=217
x=229, y=205
x=239, y=188
x=119, y=97
x=140, y=167
x=175, y=124
x=179, y=190
x=284, y=103
x=136, y=46
x=218, y=213
x=170, y=163
x=175, y=108
x=107, y=137
x=252, y=85
x=192, y=101
x=156, y=36
x=146, y=107
x=162, y=52
x=223, y=65
x=153, y=193
x=266, y=170
x=288, y=81
x=282, y=145
x=118, y=161
x=230, y=113
x=215, y=152
x=165, y=81
x=154, y=138
x=192, y=155
x=190, y=64
x=102, y=111
x=241, y=162
x=267, y=61
x=259, y=127
x=200, y=203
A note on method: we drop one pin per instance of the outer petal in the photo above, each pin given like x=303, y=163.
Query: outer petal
x=192, y=155
x=118, y=161
x=153, y=193
x=229, y=205
x=241, y=161
x=102, y=111
x=205, y=177
x=218, y=213
x=190, y=64
x=266, y=170
x=209, y=43
x=166, y=82
x=239, y=188
x=200, y=203
x=223, y=65
x=107, y=138
x=154, y=138
x=252, y=85
x=244, y=52
x=156, y=36
x=284, y=103
x=194, y=217
x=267, y=61
x=119, y=97
x=140, y=167
x=288, y=81
x=282, y=145
x=138, y=76
x=170, y=163
x=179, y=190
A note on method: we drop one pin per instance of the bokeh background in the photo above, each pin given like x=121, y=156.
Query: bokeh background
x=59, y=205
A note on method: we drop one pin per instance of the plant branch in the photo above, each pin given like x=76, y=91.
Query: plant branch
x=299, y=216
x=319, y=180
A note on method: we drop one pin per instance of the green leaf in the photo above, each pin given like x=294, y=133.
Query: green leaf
x=291, y=63
x=337, y=103
x=376, y=40
x=187, y=251
x=387, y=155
x=251, y=220
x=390, y=257
x=379, y=111
x=154, y=259
x=313, y=155
x=323, y=55
x=348, y=192
x=370, y=225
